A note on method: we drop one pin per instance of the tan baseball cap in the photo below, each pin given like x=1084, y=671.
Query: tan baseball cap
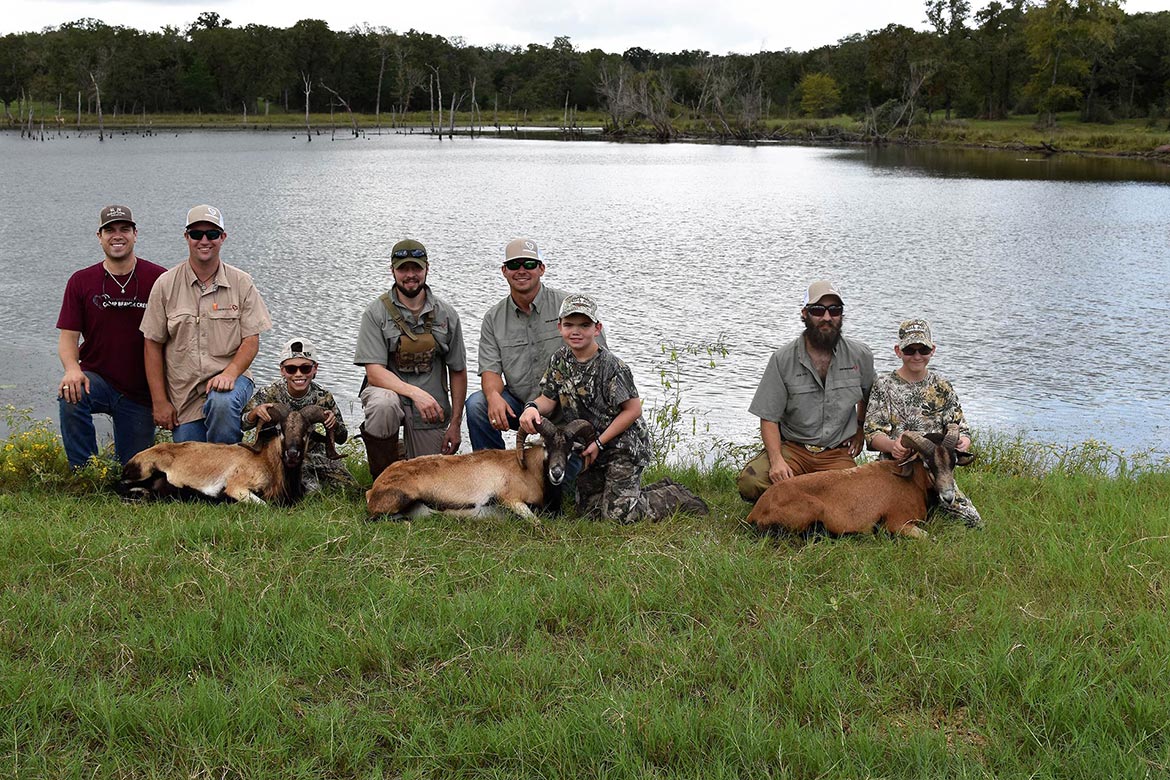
x=408, y=251
x=578, y=304
x=298, y=348
x=206, y=214
x=818, y=290
x=111, y=214
x=522, y=249
x=914, y=332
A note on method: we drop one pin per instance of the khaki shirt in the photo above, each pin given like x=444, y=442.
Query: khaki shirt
x=809, y=410
x=201, y=331
x=518, y=345
x=377, y=343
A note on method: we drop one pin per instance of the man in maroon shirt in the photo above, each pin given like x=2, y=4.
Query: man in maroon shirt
x=101, y=348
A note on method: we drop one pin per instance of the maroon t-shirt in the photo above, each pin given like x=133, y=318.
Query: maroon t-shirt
x=108, y=318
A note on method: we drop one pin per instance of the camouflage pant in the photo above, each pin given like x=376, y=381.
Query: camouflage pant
x=962, y=509
x=614, y=490
x=322, y=472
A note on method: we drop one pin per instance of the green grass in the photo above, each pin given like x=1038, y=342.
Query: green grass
x=195, y=641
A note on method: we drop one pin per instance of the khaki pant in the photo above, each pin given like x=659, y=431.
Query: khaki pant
x=385, y=414
x=753, y=480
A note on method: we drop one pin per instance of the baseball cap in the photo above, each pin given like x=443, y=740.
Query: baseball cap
x=408, y=251
x=578, y=304
x=914, y=332
x=206, y=214
x=818, y=290
x=115, y=214
x=522, y=249
x=298, y=348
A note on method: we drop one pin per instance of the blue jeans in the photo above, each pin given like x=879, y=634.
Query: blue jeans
x=221, y=416
x=483, y=435
x=133, y=423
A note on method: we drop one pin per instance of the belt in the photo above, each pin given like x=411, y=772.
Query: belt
x=817, y=450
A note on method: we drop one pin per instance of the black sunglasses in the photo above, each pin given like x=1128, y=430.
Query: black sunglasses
x=817, y=310
x=212, y=235
x=304, y=368
x=401, y=253
x=920, y=349
x=514, y=265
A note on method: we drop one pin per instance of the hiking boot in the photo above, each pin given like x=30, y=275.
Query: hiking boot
x=380, y=453
x=666, y=497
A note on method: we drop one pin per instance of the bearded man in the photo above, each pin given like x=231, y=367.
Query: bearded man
x=410, y=343
x=811, y=400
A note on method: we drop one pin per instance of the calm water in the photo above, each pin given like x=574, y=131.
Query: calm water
x=1047, y=281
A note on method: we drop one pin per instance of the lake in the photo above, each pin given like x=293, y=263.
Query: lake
x=1046, y=280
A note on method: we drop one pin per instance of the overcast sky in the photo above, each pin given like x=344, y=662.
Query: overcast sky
x=718, y=26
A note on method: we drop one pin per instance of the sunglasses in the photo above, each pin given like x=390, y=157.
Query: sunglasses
x=920, y=349
x=293, y=369
x=401, y=253
x=514, y=265
x=817, y=310
x=212, y=235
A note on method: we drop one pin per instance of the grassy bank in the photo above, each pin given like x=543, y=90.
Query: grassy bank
x=1123, y=137
x=178, y=640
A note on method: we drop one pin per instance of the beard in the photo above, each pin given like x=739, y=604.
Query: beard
x=823, y=339
x=405, y=294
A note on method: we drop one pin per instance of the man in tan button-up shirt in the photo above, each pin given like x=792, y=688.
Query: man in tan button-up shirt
x=202, y=326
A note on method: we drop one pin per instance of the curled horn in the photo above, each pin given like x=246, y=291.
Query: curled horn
x=918, y=442
x=951, y=440
x=581, y=431
x=546, y=428
x=314, y=414
x=278, y=412
x=520, y=437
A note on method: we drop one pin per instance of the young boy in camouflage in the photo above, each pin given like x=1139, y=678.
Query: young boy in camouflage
x=296, y=389
x=913, y=398
x=588, y=382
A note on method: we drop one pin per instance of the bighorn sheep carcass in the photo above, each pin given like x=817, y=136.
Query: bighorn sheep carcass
x=855, y=500
x=519, y=480
x=268, y=470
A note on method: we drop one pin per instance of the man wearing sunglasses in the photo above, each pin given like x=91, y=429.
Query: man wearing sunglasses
x=202, y=326
x=410, y=343
x=100, y=345
x=812, y=398
x=517, y=337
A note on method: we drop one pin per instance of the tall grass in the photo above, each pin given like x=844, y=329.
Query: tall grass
x=183, y=640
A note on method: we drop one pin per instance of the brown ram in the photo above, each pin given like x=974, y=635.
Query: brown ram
x=858, y=499
x=467, y=483
x=269, y=470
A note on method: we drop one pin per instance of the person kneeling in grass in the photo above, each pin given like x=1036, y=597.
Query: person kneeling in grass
x=296, y=389
x=588, y=382
x=913, y=398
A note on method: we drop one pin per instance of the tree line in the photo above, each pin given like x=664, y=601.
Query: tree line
x=1006, y=58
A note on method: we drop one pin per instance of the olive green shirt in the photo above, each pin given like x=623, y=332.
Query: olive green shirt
x=518, y=345
x=809, y=410
x=377, y=343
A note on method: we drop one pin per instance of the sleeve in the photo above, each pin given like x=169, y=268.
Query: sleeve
x=456, y=357
x=258, y=397
x=954, y=410
x=550, y=386
x=868, y=374
x=254, y=318
x=70, y=316
x=772, y=394
x=878, y=414
x=490, y=358
x=621, y=384
x=371, y=343
x=154, y=317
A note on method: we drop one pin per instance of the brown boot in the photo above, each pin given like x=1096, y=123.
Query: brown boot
x=380, y=453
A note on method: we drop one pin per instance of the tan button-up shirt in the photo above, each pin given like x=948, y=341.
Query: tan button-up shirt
x=201, y=330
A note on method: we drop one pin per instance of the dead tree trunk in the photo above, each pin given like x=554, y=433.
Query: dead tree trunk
x=98, y=94
x=378, y=97
x=307, y=80
x=340, y=99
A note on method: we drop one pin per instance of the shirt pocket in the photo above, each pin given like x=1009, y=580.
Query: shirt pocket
x=182, y=330
x=223, y=332
x=845, y=393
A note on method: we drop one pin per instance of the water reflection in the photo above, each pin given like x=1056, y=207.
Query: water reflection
x=1048, y=295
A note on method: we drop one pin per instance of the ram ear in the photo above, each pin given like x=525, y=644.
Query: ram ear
x=963, y=458
x=906, y=467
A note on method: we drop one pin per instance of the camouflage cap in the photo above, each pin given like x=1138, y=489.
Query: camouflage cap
x=914, y=332
x=112, y=214
x=578, y=304
x=818, y=290
x=206, y=214
x=298, y=348
x=408, y=251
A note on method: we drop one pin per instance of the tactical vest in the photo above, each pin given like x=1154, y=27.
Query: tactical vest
x=416, y=351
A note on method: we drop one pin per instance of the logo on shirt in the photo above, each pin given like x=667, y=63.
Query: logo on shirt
x=104, y=301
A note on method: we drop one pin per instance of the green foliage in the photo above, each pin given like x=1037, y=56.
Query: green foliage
x=819, y=95
x=670, y=419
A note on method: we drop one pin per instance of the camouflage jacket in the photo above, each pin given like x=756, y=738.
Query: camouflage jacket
x=897, y=406
x=277, y=393
x=595, y=391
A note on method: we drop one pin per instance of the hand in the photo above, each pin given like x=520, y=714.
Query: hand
x=499, y=413
x=224, y=382
x=165, y=415
x=964, y=444
x=590, y=454
x=261, y=414
x=857, y=443
x=73, y=385
x=427, y=406
x=451, y=439
x=330, y=420
x=779, y=470
x=897, y=451
x=530, y=419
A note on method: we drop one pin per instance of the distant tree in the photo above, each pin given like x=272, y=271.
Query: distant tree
x=819, y=95
x=207, y=20
x=998, y=65
x=1066, y=40
x=949, y=20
